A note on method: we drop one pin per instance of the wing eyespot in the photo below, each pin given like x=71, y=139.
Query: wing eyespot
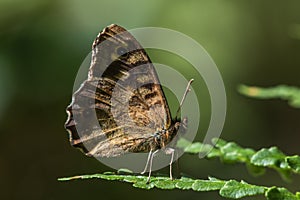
x=122, y=52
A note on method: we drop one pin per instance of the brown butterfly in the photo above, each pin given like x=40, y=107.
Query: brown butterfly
x=121, y=107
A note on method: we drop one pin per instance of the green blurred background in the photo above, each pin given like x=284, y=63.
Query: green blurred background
x=42, y=44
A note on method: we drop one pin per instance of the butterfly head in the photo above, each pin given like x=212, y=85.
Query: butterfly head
x=166, y=136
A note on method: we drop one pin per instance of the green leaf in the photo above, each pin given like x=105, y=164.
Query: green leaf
x=229, y=189
x=165, y=184
x=294, y=162
x=196, y=147
x=228, y=152
x=124, y=171
x=219, y=142
x=158, y=182
x=207, y=185
x=267, y=157
x=193, y=148
x=183, y=143
x=107, y=177
x=289, y=93
x=185, y=183
x=275, y=193
x=235, y=190
x=234, y=153
x=256, y=162
x=144, y=185
x=272, y=158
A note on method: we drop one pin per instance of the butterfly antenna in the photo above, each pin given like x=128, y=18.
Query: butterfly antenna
x=184, y=96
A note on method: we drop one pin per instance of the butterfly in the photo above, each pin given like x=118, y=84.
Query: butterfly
x=121, y=107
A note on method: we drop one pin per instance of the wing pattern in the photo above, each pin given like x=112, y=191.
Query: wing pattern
x=121, y=107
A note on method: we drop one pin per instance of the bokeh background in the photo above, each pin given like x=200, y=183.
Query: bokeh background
x=42, y=44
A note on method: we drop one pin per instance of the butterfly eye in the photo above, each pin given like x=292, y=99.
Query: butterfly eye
x=121, y=51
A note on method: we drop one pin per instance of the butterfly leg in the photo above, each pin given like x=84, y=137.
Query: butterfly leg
x=170, y=151
x=150, y=164
x=149, y=155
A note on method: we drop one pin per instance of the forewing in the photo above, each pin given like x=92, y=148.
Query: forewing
x=121, y=105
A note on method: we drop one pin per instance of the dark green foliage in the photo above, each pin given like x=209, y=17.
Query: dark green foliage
x=229, y=189
x=288, y=93
x=228, y=152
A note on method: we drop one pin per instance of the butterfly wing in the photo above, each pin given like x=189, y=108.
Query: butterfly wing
x=121, y=105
